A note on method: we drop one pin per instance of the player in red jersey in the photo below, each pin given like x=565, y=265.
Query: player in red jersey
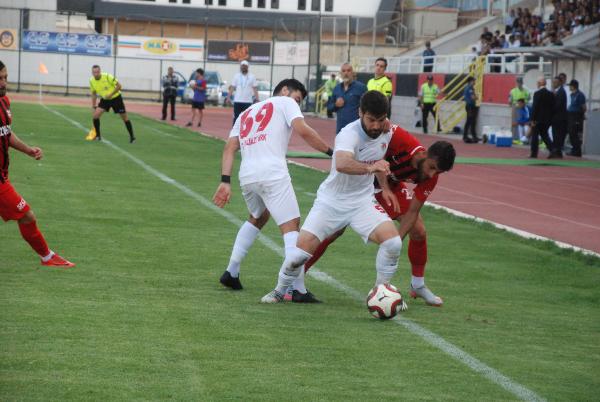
x=409, y=162
x=12, y=205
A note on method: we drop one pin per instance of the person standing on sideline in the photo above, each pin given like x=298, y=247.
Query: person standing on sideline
x=346, y=97
x=108, y=89
x=243, y=90
x=559, y=116
x=329, y=86
x=346, y=198
x=12, y=206
x=427, y=99
x=262, y=133
x=541, y=119
x=428, y=58
x=170, y=83
x=565, y=85
x=472, y=109
x=518, y=92
x=575, y=115
x=199, y=87
x=380, y=82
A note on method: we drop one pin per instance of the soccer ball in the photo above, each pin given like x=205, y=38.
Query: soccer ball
x=384, y=301
x=192, y=83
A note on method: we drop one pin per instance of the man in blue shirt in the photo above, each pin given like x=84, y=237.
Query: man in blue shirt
x=199, y=87
x=470, y=98
x=346, y=97
x=427, y=59
x=575, y=115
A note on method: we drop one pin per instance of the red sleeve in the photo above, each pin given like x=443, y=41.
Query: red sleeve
x=424, y=189
x=403, y=141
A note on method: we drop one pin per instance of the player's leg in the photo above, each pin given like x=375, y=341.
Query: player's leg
x=322, y=248
x=243, y=241
x=417, y=255
x=96, y=120
x=173, y=99
x=259, y=216
x=164, y=107
x=127, y=122
x=14, y=207
x=322, y=221
x=424, y=116
x=191, y=122
x=200, y=114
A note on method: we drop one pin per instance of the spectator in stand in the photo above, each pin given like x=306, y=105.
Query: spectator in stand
x=509, y=20
x=576, y=115
x=428, y=58
x=577, y=27
x=541, y=119
x=559, y=118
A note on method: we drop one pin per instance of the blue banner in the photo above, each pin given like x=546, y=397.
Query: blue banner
x=65, y=42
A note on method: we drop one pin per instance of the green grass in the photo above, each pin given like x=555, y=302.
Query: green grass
x=143, y=317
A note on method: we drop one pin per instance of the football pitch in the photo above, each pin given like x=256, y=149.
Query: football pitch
x=143, y=316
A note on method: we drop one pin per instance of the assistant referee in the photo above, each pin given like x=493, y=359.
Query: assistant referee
x=108, y=89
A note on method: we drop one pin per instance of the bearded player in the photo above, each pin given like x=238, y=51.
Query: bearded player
x=12, y=205
x=409, y=162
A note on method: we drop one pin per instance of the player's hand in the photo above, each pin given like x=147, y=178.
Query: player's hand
x=390, y=199
x=339, y=102
x=380, y=166
x=222, y=195
x=387, y=125
x=36, y=153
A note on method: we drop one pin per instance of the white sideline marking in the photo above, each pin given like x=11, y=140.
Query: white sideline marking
x=433, y=339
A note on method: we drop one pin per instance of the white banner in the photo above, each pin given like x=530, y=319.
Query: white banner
x=292, y=53
x=160, y=48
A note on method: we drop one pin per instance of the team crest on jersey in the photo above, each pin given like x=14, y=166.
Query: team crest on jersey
x=383, y=146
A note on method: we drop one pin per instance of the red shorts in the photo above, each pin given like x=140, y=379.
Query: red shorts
x=12, y=206
x=404, y=196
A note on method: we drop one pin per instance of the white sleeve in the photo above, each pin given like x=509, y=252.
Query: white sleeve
x=346, y=140
x=291, y=110
x=235, y=130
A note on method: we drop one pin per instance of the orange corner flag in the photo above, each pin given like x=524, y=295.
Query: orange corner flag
x=43, y=69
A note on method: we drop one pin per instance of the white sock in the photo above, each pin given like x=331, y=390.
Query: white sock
x=243, y=241
x=290, y=239
x=417, y=282
x=299, y=282
x=48, y=257
x=291, y=267
x=387, y=259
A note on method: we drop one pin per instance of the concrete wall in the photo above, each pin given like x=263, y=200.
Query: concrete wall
x=431, y=22
x=584, y=71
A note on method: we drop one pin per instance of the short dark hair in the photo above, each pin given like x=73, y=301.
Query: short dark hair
x=2, y=65
x=292, y=84
x=521, y=100
x=374, y=102
x=470, y=79
x=563, y=76
x=443, y=152
x=382, y=59
x=200, y=71
x=95, y=66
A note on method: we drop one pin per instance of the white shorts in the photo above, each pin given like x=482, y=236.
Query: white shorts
x=275, y=195
x=324, y=219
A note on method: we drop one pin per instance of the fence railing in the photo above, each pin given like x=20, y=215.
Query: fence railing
x=515, y=63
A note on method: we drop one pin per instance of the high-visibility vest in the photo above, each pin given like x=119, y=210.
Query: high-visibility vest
x=429, y=93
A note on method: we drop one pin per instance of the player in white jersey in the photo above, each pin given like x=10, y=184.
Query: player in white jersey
x=262, y=133
x=346, y=197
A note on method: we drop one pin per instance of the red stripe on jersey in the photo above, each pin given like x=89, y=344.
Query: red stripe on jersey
x=5, y=133
x=402, y=148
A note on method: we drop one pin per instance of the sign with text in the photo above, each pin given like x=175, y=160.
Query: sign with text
x=8, y=39
x=160, y=48
x=228, y=50
x=291, y=53
x=67, y=42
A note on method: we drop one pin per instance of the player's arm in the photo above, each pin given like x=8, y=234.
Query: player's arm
x=311, y=137
x=410, y=217
x=386, y=193
x=118, y=87
x=223, y=193
x=345, y=163
x=16, y=143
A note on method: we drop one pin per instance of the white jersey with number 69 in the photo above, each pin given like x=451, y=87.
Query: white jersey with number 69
x=264, y=131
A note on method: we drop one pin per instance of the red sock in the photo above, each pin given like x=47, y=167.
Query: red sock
x=417, y=254
x=318, y=253
x=34, y=237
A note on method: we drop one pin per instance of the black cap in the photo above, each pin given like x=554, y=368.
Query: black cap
x=574, y=83
x=429, y=76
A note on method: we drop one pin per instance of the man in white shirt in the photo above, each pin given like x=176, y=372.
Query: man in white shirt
x=346, y=197
x=242, y=90
x=262, y=133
